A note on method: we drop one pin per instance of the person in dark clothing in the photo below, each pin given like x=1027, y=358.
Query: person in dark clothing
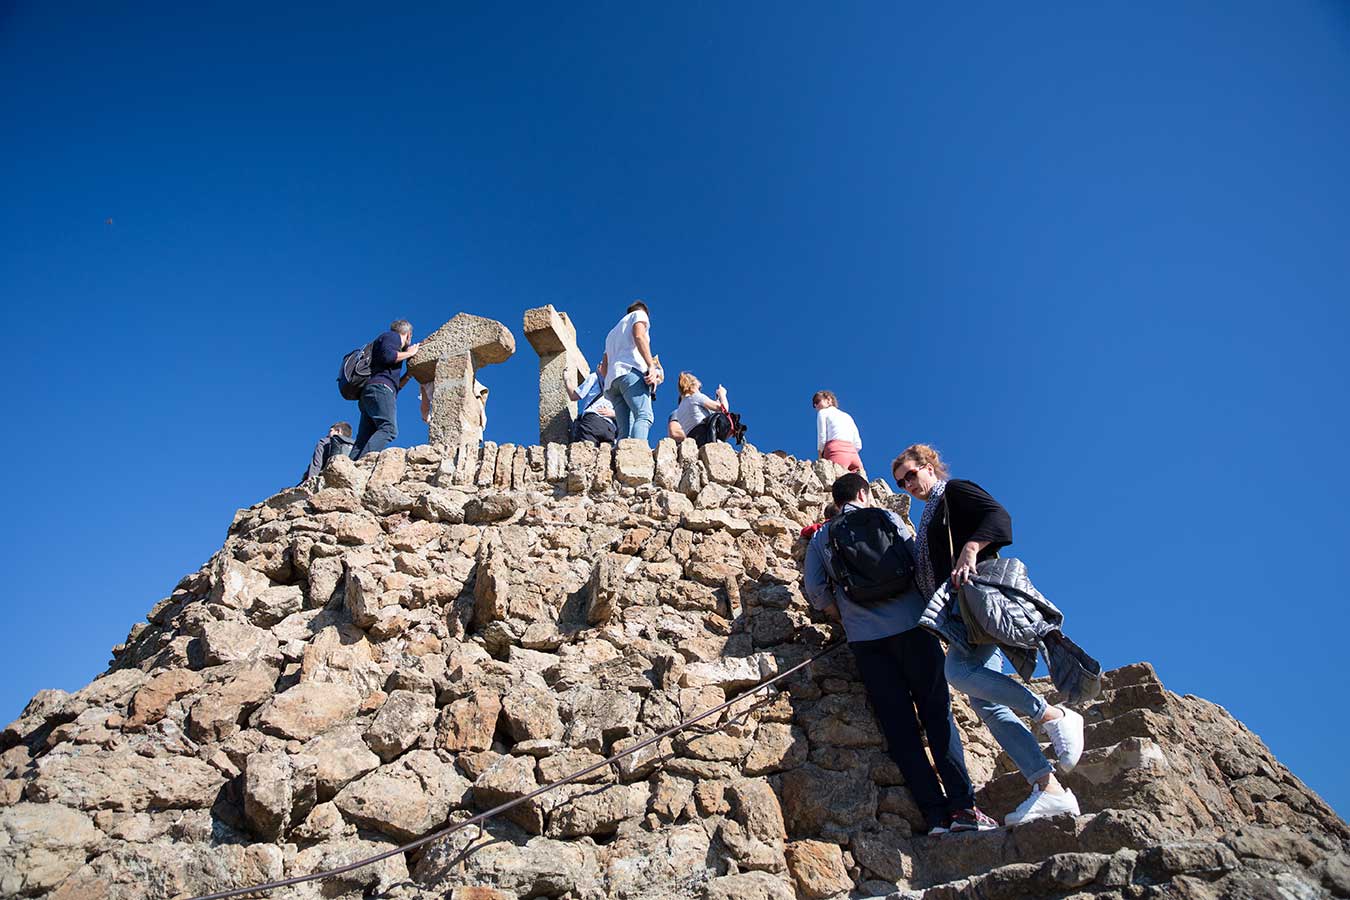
x=961, y=519
x=901, y=668
x=337, y=442
x=379, y=397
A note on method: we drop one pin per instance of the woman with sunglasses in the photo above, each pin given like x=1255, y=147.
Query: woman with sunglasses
x=961, y=516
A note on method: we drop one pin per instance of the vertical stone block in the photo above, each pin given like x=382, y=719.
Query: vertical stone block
x=487, y=466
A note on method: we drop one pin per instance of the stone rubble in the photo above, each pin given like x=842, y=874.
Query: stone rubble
x=433, y=632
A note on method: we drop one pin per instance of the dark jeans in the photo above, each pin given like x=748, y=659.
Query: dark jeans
x=379, y=419
x=902, y=674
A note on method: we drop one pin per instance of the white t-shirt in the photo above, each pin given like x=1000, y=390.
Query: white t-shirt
x=691, y=412
x=833, y=424
x=621, y=349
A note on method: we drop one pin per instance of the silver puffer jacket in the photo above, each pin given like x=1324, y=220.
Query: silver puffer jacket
x=1001, y=606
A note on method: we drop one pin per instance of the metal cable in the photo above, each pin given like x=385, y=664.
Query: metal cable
x=497, y=810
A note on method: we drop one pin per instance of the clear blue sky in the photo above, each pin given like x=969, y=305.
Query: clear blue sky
x=1097, y=253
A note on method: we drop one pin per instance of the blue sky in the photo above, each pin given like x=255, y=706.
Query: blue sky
x=1098, y=254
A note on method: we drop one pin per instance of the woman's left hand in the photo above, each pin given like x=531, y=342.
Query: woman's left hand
x=964, y=570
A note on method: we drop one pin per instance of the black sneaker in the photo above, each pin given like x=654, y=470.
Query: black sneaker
x=971, y=820
x=941, y=828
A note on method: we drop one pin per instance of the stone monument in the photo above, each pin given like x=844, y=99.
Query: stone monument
x=448, y=363
x=561, y=365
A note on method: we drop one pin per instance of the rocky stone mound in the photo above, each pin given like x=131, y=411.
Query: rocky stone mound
x=427, y=636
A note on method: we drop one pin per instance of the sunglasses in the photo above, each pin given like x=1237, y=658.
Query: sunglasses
x=905, y=479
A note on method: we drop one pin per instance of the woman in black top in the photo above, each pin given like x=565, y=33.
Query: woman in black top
x=961, y=519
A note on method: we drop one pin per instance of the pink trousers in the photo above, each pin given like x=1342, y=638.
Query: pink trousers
x=843, y=453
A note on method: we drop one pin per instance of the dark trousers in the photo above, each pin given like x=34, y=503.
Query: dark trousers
x=594, y=428
x=379, y=419
x=904, y=681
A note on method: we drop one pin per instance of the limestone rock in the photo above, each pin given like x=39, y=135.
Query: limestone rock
x=40, y=845
x=123, y=780
x=224, y=642
x=818, y=869
x=597, y=810
x=279, y=791
x=400, y=723
x=749, y=886
x=150, y=702
x=220, y=709
x=633, y=462
x=721, y=461
x=531, y=713
x=404, y=799
x=308, y=709
x=704, y=520
x=341, y=756
x=468, y=724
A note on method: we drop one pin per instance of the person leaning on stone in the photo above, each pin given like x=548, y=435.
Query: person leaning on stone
x=595, y=413
x=337, y=442
x=379, y=397
x=961, y=516
x=631, y=373
x=901, y=668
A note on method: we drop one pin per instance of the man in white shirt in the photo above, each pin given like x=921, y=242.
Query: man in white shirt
x=631, y=373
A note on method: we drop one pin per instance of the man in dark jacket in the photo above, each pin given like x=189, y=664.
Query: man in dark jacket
x=379, y=398
x=901, y=667
x=338, y=442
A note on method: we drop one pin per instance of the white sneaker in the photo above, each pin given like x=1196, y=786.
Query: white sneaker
x=1042, y=804
x=1066, y=737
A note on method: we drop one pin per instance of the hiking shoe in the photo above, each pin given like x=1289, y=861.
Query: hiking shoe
x=940, y=828
x=1041, y=805
x=1066, y=737
x=972, y=820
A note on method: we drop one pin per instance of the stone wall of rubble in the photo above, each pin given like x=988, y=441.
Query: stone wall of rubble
x=427, y=636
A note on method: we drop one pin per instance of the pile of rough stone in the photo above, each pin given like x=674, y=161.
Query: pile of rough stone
x=430, y=635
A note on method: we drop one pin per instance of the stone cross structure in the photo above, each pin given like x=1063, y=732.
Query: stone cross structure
x=561, y=365
x=448, y=362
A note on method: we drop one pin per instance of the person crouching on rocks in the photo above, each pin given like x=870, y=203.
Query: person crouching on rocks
x=698, y=416
x=900, y=663
x=337, y=442
x=961, y=518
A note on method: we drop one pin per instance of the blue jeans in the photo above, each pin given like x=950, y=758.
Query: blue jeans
x=379, y=419
x=632, y=406
x=996, y=699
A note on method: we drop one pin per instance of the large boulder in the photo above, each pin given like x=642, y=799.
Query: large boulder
x=307, y=709
x=405, y=799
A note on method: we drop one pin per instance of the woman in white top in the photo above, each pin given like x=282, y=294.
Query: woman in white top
x=837, y=437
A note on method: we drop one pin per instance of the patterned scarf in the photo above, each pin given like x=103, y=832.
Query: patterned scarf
x=924, y=565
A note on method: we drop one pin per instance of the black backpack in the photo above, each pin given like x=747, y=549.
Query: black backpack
x=355, y=371
x=871, y=560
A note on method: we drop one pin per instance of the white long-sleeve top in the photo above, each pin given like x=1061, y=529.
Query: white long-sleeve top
x=833, y=424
